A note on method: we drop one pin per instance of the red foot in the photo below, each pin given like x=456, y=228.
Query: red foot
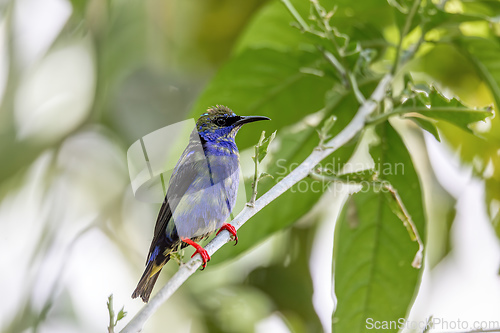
x=203, y=253
x=231, y=229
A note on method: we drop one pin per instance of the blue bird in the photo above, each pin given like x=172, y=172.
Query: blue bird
x=201, y=193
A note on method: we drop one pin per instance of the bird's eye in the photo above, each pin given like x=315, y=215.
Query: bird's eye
x=220, y=121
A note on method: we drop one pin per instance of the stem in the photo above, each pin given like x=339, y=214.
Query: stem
x=255, y=178
x=409, y=224
x=111, y=327
x=348, y=79
x=347, y=134
x=338, y=66
x=324, y=178
x=296, y=15
x=326, y=25
x=404, y=32
x=421, y=109
x=413, y=49
x=354, y=84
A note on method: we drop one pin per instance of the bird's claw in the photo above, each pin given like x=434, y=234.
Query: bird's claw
x=204, y=256
x=231, y=229
x=199, y=249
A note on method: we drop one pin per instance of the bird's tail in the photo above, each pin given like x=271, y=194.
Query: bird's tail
x=148, y=280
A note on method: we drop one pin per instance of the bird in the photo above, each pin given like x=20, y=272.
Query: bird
x=201, y=193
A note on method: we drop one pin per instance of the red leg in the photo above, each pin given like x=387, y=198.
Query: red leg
x=203, y=253
x=231, y=229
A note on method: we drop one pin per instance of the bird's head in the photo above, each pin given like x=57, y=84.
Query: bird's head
x=220, y=122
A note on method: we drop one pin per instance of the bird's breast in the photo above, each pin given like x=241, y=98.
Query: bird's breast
x=210, y=198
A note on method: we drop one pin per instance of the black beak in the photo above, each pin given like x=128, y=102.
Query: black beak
x=249, y=119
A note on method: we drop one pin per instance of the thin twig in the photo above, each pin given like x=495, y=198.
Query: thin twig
x=255, y=182
x=111, y=327
x=404, y=32
x=256, y=171
x=338, y=66
x=347, y=77
x=296, y=15
x=354, y=85
x=428, y=325
x=323, y=132
x=325, y=24
x=413, y=49
x=113, y=320
x=261, y=149
x=348, y=133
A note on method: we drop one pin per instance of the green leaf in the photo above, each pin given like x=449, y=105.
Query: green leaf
x=398, y=208
x=368, y=175
x=435, y=17
x=121, y=314
x=265, y=175
x=403, y=6
x=373, y=253
x=459, y=117
x=325, y=129
x=271, y=28
x=435, y=105
x=79, y=7
x=427, y=125
x=263, y=145
x=482, y=7
x=483, y=54
x=401, y=10
x=269, y=83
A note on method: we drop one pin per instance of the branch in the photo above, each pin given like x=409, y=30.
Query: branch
x=299, y=173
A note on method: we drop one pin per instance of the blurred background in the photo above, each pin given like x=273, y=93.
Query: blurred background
x=81, y=81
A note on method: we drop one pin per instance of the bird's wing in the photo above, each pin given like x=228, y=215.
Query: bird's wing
x=191, y=162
